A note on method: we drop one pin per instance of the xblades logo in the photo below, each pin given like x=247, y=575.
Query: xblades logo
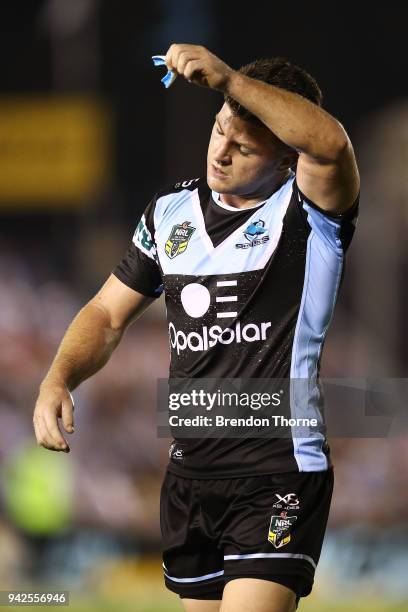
x=290, y=500
x=176, y=452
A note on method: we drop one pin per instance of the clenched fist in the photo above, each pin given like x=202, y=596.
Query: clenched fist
x=54, y=402
x=196, y=64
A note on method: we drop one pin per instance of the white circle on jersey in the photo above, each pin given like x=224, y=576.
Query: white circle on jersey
x=195, y=299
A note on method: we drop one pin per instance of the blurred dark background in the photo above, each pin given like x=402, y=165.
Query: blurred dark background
x=87, y=135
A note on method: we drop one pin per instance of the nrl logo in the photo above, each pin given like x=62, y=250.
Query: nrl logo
x=279, y=529
x=177, y=242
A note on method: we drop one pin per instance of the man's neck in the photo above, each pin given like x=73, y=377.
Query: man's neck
x=252, y=199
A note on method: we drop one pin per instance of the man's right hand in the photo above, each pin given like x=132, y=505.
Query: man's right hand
x=54, y=402
x=85, y=348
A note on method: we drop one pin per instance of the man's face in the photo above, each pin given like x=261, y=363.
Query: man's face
x=243, y=158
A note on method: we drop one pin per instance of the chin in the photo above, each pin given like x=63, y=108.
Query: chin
x=217, y=185
x=212, y=182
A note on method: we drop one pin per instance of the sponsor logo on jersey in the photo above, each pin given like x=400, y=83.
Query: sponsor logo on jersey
x=255, y=234
x=209, y=336
x=177, y=242
x=142, y=238
x=290, y=501
x=196, y=300
x=279, y=534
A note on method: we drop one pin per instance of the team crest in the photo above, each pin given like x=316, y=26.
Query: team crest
x=177, y=242
x=255, y=233
x=279, y=529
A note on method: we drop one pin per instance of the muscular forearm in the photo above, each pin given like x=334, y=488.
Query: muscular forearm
x=87, y=345
x=295, y=120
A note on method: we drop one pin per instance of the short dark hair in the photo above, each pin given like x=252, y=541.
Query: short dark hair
x=280, y=72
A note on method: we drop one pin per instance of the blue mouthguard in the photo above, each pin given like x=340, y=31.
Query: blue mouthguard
x=169, y=78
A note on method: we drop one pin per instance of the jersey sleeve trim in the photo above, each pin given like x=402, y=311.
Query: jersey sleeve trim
x=350, y=213
x=137, y=286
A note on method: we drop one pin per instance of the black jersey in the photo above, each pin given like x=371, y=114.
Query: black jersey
x=249, y=293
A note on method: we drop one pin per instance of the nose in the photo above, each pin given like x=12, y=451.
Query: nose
x=222, y=155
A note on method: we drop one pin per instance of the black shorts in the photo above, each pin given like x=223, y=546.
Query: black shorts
x=269, y=527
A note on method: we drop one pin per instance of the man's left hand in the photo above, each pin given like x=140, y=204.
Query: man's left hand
x=196, y=64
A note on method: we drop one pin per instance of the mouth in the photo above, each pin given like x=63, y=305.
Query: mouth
x=217, y=172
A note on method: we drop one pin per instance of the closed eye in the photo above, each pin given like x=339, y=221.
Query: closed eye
x=244, y=150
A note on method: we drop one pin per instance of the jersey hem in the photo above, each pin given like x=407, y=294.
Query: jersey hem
x=193, y=475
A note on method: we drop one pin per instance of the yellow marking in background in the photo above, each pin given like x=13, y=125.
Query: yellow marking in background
x=55, y=151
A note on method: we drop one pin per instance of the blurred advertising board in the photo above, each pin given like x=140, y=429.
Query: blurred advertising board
x=55, y=151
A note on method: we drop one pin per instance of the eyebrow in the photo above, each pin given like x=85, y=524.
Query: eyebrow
x=241, y=144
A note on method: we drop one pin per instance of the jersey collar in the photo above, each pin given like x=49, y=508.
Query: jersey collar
x=216, y=198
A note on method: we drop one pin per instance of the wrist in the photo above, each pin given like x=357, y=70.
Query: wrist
x=224, y=79
x=234, y=84
x=53, y=381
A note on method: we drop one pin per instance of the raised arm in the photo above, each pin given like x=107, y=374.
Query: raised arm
x=85, y=348
x=327, y=170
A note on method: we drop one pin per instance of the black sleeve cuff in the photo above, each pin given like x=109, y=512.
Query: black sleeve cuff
x=349, y=213
x=135, y=286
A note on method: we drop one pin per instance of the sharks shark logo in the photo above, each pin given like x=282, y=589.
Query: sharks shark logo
x=255, y=233
x=257, y=228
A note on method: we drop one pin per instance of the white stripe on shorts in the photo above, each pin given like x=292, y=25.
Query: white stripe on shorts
x=198, y=579
x=271, y=555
